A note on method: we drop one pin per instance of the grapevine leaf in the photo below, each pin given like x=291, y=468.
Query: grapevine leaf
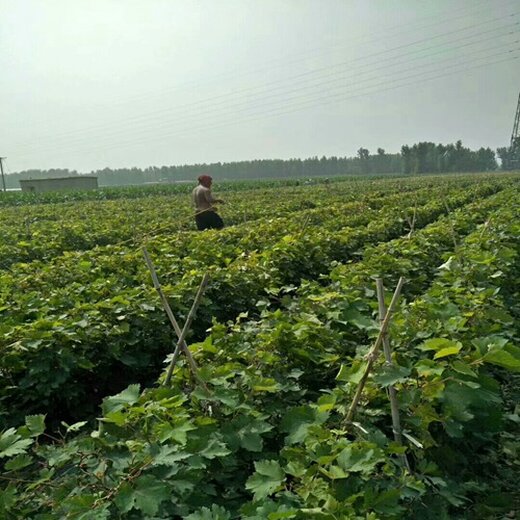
x=266, y=479
x=11, y=443
x=390, y=374
x=116, y=402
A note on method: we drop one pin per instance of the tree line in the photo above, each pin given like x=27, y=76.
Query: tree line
x=423, y=157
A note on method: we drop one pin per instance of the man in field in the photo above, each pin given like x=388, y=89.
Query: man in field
x=206, y=216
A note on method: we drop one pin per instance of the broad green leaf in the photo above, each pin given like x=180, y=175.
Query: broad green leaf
x=19, y=462
x=251, y=441
x=438, y=344
x=352, y=373
x=7, y=498
x=360, y=456
x=215, y=513
x=116, y=402
x=297, y=421
x=214, y=448
x=177, y=432
x=462, y=368
x=507, y=356
x=448, y=351
x=11, y=443
x=266, y=479
x=428, y=367
x=146, y=495
x=391, y=374
x=35, y=424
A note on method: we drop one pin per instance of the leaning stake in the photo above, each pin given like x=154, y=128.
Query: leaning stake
x=181, y=344
x=375, y=349
x=392, y=394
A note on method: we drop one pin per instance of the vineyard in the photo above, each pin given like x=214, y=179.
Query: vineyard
x=313, y=393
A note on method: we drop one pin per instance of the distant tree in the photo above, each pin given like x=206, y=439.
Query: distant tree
x=363, y=153
x=406, y=154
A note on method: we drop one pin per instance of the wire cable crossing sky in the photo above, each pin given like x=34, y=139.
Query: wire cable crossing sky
x=104, y=83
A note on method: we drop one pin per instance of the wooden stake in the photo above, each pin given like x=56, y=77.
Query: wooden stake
x=181, y=343
x=374, y=351
x=412, y=224
x=392, y=394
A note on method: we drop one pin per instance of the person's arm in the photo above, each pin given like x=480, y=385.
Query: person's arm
x=212, y=200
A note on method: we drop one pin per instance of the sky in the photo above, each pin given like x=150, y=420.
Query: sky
x=89, y=84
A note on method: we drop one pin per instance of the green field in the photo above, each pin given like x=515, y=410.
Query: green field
x=281, y=339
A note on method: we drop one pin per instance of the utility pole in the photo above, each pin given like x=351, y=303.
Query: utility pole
x=2, y=170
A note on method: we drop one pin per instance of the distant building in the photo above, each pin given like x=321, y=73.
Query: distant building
x=78, y=182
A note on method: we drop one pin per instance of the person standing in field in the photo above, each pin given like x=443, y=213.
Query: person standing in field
x=206, y=216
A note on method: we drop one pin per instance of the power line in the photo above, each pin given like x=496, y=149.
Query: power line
x=325, y=100
x=375, y=89
x=305, y=100
x=77, y=136
x=382, y=36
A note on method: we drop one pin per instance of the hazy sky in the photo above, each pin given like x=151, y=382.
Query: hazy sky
x=86, y=84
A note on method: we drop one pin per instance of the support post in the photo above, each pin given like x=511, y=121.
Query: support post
x=372, y=356
x=392, y=394
x=182, y=337
x=181, y=334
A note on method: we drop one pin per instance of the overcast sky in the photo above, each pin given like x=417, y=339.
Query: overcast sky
x=88, y=84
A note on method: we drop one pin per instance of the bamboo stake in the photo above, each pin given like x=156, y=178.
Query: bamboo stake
x=167, y=308
x=412, y=224
x=374, y=351
x=184, y=332
x=392, y=394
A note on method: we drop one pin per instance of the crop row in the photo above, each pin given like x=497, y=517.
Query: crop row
x=268, y=430
x=187, y=251
x=64, y=345
x=44, y=231
x=47, y=230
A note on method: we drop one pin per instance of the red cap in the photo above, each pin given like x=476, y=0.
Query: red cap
x=205, y=180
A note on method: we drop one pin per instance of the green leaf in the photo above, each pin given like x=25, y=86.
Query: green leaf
x=448, y=351
x=428, y=367
x=214, y=448
x=297, y=421
x=352, y=373
x=390, y=374
x=11, y=443
x=177, y=432
x=251, y=441
x=215, y=513
x=438, y=344
x=35, y=424
x=19, y=462
x=462, y=368
x=7, y=498
x=360, y=456
x=146, y=495
x=357, y=319
x=267, y=478
x=116, y=402
x=507, y=356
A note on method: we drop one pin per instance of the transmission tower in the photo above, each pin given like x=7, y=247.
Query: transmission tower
x=514, y=148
